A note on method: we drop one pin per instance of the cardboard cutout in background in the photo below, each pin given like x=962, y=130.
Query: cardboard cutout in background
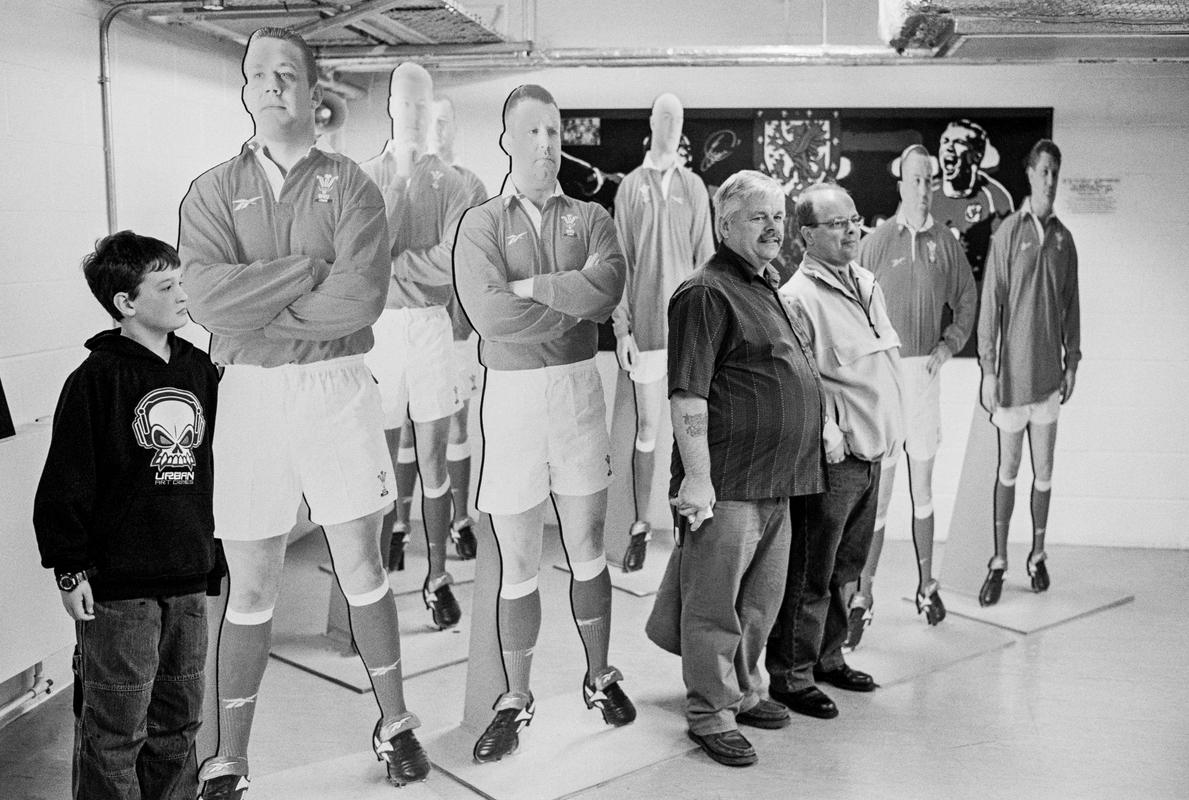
x=800, y=146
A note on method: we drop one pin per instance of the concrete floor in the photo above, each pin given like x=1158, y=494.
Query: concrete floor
x=1095, y=707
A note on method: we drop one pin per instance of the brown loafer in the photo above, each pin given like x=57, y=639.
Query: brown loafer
x=766, y=714
x=729, y=748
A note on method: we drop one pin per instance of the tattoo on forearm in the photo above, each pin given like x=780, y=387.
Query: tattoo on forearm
x=695, y=424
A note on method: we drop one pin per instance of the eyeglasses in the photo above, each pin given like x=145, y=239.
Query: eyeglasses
x=840, y=223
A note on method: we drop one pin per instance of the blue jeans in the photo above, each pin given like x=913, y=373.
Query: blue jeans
x=829, y=546
x=141, y=670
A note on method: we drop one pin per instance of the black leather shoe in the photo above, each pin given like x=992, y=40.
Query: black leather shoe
x=766, y=714
x=396, y=548
x=224, y=787
x=403, y=756
x=464, y=540
x=992, y=588
x=1038, y=572
x=442, y=605
x=846, y=678
x=811, y=702
x=858, y=617
x=502, y=736
x=223, y=778
x=616, y=707
x=729, y=748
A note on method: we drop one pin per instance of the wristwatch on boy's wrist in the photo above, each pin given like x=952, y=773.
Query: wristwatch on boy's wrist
x=69, y=581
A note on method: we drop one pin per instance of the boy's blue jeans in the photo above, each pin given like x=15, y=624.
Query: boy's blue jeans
x=140, y=666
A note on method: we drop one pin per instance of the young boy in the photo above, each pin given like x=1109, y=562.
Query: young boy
x=123, y=517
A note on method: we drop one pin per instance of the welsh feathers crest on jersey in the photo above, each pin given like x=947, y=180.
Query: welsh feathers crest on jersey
x=325, y=184
x=170, y=421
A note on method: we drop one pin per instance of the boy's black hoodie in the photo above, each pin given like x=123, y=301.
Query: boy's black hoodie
x=127, y=485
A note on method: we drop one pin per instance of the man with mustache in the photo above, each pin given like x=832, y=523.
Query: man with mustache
x=746, y=404
x=857, y=351
x=1029, y=346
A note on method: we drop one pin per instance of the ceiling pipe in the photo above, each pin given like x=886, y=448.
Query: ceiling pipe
x=513, y=56
x=109, y=165
x=521, y=55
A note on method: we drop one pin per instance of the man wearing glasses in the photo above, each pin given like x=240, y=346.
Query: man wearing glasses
x=857, y=350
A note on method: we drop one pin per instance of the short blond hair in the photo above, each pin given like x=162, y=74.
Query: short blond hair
x=287, y=35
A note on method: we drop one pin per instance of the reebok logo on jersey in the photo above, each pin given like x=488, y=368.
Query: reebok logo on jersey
x=513, y=238
x=240, y=203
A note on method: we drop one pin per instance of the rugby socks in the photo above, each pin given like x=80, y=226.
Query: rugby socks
x=406, y=481
x=458, y=466
x=376, y=631
x=435, y=511
x=922, y=540
x=244, y=643
x=590, y=601
x=1042, y=492
x=1005, y=503
x=519, y=623
x=643, y=466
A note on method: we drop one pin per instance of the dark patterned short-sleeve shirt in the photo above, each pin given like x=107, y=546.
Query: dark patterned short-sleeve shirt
x=731, y=342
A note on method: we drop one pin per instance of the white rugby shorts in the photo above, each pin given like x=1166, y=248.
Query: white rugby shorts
x=298, y=429
x=544, y=430
x=413, y=361
x=922, y=408
x=468, y=373
x=1013, y=419
x=651, y=366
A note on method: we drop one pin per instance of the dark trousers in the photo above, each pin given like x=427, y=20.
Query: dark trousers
x=827, y=552
x=141, y=670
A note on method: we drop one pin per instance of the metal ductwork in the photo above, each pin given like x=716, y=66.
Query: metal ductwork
x=375, y=35
x=1038, y=30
